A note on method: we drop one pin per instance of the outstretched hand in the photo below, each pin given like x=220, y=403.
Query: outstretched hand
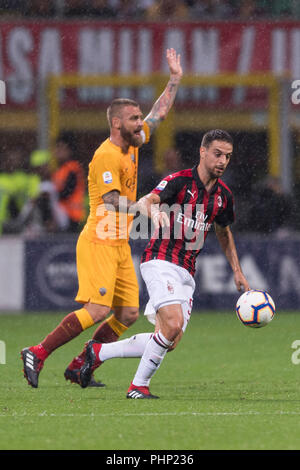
x=241, y=282
x=160, y=219
x=174, y=63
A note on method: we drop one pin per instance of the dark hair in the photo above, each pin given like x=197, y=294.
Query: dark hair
x=216, y=134
x=116, y=106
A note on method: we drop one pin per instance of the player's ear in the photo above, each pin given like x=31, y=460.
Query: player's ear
x=116, y=122
x=202, y=152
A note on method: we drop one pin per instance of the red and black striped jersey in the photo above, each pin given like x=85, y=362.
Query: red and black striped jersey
x=192, y=211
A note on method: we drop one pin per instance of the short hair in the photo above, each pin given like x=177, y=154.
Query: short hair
x=117, y=105
x=216, y=134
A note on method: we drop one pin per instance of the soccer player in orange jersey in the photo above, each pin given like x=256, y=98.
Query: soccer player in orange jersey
x=106, y=274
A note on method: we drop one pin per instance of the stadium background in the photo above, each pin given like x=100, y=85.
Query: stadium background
x=62, y=63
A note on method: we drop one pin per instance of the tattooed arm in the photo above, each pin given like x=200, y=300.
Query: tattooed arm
x=147, y=205
x=113, y=201
x=164, y=103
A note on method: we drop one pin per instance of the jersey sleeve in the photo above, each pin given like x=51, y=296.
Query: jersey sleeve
x=146, y=133
x=227, y=216
x=167, y=189
x=107, y=171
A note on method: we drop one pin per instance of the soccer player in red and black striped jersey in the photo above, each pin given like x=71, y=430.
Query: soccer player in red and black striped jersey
x=194, y=200
x=192, y=208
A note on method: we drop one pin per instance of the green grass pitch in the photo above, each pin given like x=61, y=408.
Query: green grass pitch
x=226, y=386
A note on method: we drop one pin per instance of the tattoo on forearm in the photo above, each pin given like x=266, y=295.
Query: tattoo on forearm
x=111, y=199
x=114, y=200
x=163, y=105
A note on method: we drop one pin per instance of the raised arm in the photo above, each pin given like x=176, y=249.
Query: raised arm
x=164, y=103
x=225, y=238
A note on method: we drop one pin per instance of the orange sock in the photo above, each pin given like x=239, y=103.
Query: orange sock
x=110, y=330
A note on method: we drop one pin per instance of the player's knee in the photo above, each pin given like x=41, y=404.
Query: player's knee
x=173, y=329
x=97, y=312
x=176, y=330
x=133, y=316
x=127, y=315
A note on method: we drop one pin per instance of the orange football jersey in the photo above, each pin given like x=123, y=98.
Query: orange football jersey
x=110, y=170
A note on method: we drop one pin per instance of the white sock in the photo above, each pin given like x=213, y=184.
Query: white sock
x=153, y=355
x=129, y=347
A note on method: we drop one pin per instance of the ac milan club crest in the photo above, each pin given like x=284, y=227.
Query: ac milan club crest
x=170, y=287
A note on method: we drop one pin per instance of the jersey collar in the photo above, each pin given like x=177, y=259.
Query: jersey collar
x=199, y=182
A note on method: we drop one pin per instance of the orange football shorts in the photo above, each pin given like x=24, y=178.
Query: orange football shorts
x=106, y=274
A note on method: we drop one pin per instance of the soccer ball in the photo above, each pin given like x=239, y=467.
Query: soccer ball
x=255, y=308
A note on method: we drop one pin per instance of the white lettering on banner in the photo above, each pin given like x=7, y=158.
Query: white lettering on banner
x=96, y=51
x=278, y=56
x=50, y=60
x=289, y=276
x=244, y=62
x=205, y=51
x=1, y=60
x=12, y=273
x=205, y=60
x=32, y=51
x=20, y=44
x=125, y=59
x=252, y=273
x=60, y=273
x=145, y=64
x=144, y=56
x=125, y=52
x=294, y=67
x=174, y=37
x=214, y=277
x=95, y=57
x=2, y=92
x=213, y=273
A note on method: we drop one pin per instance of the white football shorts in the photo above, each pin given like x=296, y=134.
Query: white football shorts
x=167, y=284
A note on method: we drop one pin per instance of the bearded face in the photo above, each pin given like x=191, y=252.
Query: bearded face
x=131, y=125
x=216, y=157
x=132, y=137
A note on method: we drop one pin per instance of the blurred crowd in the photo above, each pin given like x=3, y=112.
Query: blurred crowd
x=43, y=192
x=154, y=10
x=46, y=193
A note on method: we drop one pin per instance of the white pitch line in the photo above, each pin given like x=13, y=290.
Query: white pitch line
x=111, y=415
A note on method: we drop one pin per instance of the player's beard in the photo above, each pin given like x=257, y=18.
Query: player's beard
x=218, y=172
x=130, y=138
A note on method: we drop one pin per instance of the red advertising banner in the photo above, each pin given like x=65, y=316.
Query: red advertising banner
x=29, y=52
